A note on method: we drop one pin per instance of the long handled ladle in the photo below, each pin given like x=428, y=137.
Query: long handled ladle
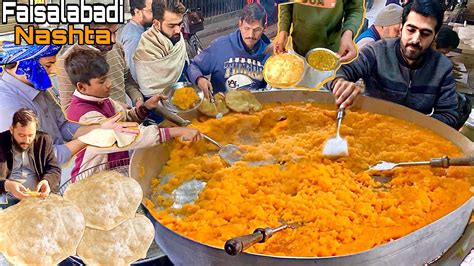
x=237, y=245
x=443, y=162
x=229, y=153
x=336, y=146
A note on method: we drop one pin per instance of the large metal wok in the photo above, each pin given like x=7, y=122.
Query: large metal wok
x=419, y=247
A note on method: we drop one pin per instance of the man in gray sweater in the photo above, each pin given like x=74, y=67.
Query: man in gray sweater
x=405, y=70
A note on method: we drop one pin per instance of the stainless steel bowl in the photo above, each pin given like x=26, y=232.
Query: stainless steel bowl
x=338, y=63
x=169, y=92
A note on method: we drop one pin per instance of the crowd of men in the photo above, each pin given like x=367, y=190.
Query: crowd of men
x=396, y=58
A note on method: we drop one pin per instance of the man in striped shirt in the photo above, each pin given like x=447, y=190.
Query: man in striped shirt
x=122, y=82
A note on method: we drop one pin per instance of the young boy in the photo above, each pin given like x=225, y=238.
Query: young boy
x=90, y=103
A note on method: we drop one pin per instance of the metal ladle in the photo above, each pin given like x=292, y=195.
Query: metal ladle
x=336, y=146
x=219, y=115
x=443, y=162
x=237, y=245
x=229, y=153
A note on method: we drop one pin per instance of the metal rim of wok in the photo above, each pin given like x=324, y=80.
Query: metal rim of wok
x=436, y=237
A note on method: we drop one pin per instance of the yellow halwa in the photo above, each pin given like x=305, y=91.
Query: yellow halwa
x=336, y=202
x=185, y=98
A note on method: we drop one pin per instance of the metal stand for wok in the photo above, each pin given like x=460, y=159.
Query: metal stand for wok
x=155, y=255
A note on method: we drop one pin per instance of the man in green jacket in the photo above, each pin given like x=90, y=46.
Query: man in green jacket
x=333, y=28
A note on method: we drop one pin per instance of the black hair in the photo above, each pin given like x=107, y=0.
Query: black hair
x=160, y=6
x=24, y=116
x=136, y=4
x=426, y=8
x=83, y=65
x=254, y=12
x=11, y=65
x=447, y=38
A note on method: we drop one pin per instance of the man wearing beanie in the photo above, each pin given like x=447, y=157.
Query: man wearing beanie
x=386, y=25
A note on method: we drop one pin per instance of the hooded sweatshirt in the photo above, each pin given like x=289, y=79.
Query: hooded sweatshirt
x=230, y=64
x=320, y=27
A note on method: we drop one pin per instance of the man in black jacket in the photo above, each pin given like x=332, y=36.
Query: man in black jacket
x=27, y=160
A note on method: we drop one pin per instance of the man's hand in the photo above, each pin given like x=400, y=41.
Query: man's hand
x=186, y=134
x=125, y=127
x=347, y=49
x=151, y=103
x=16, y=189
x=205, y=86
x=280, y=43
x=43, y=187
x=345, y=92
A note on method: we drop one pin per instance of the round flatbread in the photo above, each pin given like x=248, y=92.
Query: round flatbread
x=208, y=108
x=283, y=70
x=106, y=199
x=122, y=245
x=99, y=137
x=242, y=101
x=125, y=139
x=40, y=231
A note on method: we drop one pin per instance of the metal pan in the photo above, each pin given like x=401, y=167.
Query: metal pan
x=419, y=247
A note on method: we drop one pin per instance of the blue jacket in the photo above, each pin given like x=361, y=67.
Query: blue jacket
x=230, y=65
x=369, y=33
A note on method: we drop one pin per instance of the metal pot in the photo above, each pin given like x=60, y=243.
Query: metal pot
x=419, y=247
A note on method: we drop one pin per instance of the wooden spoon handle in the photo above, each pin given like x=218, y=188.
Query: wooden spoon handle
x=238, y=244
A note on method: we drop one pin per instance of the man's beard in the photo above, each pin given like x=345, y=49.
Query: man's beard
x=19, y=146
x=413, y=54
x=146, y=25
x=174, y=39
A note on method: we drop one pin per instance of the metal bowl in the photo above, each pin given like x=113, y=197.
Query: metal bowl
x=169, y=92
x=338, y=62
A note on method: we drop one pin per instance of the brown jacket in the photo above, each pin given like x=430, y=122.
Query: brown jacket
x=41, y=155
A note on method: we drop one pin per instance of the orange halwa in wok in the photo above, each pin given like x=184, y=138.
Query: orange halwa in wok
x=340, y=211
